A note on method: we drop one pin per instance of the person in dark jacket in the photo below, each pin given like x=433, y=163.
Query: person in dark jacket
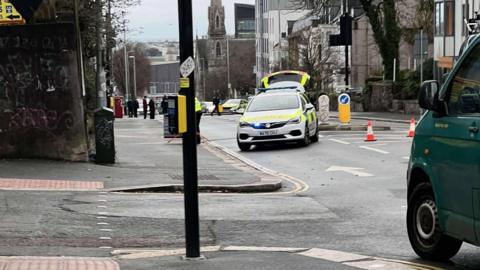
x=164, y=105
x=145, y=107
x=216, y=103
x=135, y=108
x=130, y=108
x=151, y=106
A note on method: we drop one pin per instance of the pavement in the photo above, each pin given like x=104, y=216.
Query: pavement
x=146, y=162
x=381, y=116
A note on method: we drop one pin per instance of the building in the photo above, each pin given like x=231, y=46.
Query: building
x=450, y=31
x=224, y=64
x=164, y=62
x=274, y=22
x=244, y=21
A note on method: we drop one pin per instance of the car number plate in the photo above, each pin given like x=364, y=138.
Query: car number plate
x=268, y=132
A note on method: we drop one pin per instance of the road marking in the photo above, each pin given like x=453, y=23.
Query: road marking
x=106, y=230
x=102, y=223
x=101, y=200
x=105, y=247
x=375, y=150
x=339, y=141
x=406, y=158
x=102, y=213
x=105, y=238
x=398, y=141
x=101, y=206
x=101, y=217
x=351, y=170
x=320, y=136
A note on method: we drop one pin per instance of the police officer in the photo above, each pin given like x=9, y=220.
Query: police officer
x=198, y=116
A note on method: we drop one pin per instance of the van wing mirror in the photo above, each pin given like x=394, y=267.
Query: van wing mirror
x=309, y=107
x=428, y=95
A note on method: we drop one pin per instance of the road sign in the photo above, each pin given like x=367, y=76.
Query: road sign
x=344, y=108
x=187, y=67
x=26, y=8
x=8, y=14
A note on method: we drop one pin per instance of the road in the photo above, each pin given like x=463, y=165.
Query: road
x=353, y=200
x=367, y=205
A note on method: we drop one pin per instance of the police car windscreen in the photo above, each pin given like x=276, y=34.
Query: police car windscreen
x=273, y=102
x=285, y=77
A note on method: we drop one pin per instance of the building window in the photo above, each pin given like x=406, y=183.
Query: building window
x=439, y=21
x=217, y=21
x=445, y=18
x=449, y=18
x=218, y=49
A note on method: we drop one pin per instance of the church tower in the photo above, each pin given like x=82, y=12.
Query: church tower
x=217, y=44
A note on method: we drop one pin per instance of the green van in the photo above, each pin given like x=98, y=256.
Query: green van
x=444, y=167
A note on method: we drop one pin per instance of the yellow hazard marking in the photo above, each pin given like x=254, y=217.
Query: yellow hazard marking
x=8, y=14
x=184, y=83
x=182, y=114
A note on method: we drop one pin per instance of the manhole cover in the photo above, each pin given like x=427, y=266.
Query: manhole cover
x=201, y=177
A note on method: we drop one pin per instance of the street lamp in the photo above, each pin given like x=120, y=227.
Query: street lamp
x=134, y=75
x=125, y=56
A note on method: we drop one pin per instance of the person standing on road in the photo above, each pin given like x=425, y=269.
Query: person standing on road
x=135, y=108
x=164, y=105
x=151, y=106
x=145, y=107
x=198, y=116
x=216, y=104
x=130, y=108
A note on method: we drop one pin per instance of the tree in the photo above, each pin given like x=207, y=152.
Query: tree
x=142, y=69
x=382, y=16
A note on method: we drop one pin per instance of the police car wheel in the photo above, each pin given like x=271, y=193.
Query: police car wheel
x=314, y=138
x=424, y=232
x=306, y=139
x=243, y=146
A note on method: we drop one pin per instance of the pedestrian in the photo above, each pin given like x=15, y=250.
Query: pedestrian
x=164, y=105
x=198, y=116
x=130, y=108
x=145, y=107
x=151, y=105
x=135, y=108
x=216, y=104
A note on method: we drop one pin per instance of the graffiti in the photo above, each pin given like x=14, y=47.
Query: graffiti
x=104, y=132
x=41, y=119
x=41, y=110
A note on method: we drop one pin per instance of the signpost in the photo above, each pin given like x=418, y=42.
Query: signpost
x=323, y=109
x=9, y=14
x=190, y=173
x=344, y=109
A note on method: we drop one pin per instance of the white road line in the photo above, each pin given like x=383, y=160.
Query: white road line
x=106, y=230
x=102, y=213
x=320, y=136
x=105, y=238
x=103, y=223
x=105, y=247
x=406, y=158
x=339, y=141
x=101, y=200
x=101, y=217
x=374, y=149
x=380, y=139
x=101, y=206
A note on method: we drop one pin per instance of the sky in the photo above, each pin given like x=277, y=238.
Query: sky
x=155, y=20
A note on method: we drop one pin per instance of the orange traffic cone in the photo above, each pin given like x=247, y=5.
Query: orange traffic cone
x=370, y=136
x=411, y=132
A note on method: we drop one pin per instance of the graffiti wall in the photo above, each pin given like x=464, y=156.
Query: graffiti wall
x=41, y=113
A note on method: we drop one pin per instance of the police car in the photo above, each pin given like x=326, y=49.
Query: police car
x=281, y=114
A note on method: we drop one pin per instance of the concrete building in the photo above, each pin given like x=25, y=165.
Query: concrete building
x=244, y=21
x=451, y=31
x=274, y=22
x=164, y=62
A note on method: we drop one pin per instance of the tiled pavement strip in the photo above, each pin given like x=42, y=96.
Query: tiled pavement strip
x=37, y=184
x=57, y=263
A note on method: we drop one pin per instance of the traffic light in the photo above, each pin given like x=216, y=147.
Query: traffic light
x=345, y=36
x=26, y=7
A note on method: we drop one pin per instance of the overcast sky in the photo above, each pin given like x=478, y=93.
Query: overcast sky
x=156, y=20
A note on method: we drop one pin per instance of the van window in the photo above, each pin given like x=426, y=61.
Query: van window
x=464, y=97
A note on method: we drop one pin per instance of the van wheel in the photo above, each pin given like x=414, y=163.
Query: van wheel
x=243, y=146
x=424, y=232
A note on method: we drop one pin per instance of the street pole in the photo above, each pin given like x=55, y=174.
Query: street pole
x=346, y=45
x=202, y=60
x=228, y=68
x=190, y=174
x=99, y=44
x=79, y=49
x=134, y=76
x=125, y=57
x=421, y=55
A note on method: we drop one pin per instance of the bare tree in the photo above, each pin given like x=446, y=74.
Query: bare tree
x=142, y=69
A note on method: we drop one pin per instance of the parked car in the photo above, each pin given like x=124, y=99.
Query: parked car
x=233, y=105
x=443, y=176
x=277, y=116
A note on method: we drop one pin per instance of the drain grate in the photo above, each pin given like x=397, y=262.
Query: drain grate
x=201, y=177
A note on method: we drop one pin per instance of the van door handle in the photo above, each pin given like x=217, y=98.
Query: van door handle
x=473, y=129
